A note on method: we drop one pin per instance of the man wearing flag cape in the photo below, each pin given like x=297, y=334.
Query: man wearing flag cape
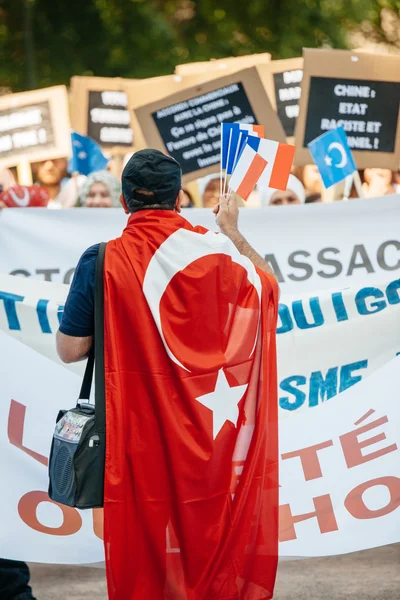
x=191, y=479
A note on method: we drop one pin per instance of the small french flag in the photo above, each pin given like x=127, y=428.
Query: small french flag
x=233, y=136
x=257, y=130
x=263, y=162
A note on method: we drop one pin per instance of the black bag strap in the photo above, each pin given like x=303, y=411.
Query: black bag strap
x=97, y=349
x=100, y=391
x=87, y=378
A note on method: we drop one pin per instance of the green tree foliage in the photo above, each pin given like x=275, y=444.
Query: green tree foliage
x=144, y=38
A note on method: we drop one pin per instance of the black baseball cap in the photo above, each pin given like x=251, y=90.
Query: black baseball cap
x=151, y=171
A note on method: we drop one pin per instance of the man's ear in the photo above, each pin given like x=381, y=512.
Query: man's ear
x=123, y=204
x=178, y=201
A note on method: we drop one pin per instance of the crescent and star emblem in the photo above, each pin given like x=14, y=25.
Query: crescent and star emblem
x=175, y=254
x=343, y=160
x=24, y=201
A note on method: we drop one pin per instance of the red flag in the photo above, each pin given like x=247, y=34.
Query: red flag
x=22, y=196
x=191, y=488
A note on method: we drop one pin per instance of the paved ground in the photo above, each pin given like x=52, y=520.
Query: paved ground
x=369, y=575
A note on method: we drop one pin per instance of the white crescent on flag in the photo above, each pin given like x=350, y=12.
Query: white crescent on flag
x=339, y=147
x=176, y=253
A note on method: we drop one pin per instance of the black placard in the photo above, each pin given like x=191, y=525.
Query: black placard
x=109, y=121
x=367, y=110
x=191, y=130
x=25, y=128
x=287, y=96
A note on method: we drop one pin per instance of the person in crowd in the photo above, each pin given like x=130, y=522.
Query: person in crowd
x=100, y=190
x=185, y=341
x=68, y=197
x=51, y=174
x=187, y=199
x=310, y=178
x=378, y=182
x=209, y=188
x=311, y=198
x=14, y=580
x=294, y=194
x=254, y=200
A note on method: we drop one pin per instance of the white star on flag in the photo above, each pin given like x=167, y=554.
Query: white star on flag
x=328, y=161
x=223, y=402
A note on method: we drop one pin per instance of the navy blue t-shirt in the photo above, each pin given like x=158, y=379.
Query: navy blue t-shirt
x=78, y=316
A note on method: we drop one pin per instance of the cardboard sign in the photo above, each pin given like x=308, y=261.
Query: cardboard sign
x=229, y=64
x=358, y=91
x=151, y=89
x=34, y=126
x=99, y=109
x=286, y=78
x=187, y=124
x=223, y=65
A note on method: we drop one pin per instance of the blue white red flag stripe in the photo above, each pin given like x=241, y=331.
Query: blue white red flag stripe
x=233, y=136
x=256, y=130
x=278, y=160
x=247, y=172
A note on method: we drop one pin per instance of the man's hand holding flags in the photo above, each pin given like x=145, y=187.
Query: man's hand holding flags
x=250, y=159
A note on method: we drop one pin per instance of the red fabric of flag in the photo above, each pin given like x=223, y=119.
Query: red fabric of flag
x=191, y=486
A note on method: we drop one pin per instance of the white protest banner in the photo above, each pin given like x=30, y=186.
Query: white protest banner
x=327, y=341
x=340, y=471
x=31, y=311
x=340, y=488
x=310, y=247
x=32, y=390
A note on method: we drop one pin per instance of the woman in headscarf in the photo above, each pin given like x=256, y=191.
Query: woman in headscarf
x=209, y=188
x=100, y=190
x=294, y=194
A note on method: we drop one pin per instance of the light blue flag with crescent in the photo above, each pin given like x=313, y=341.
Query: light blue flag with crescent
x=333, y=157
x=87, y=156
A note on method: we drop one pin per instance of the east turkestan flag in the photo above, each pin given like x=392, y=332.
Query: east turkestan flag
x=333, y=157
x=87, y=156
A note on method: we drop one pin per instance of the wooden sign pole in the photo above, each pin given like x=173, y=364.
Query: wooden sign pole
x=358, y=184
x=348, y=184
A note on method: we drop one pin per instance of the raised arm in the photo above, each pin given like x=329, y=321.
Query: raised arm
x=227, y=215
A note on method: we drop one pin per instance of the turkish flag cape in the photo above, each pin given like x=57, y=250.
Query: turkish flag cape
x=191, y=486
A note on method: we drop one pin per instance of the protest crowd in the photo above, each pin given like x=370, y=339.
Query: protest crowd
x=318, y=129
x=59, y=189
x=116, y=124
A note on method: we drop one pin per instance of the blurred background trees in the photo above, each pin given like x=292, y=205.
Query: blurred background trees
x=45, y=42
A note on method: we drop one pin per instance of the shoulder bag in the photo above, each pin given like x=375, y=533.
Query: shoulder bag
x=77, y=458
